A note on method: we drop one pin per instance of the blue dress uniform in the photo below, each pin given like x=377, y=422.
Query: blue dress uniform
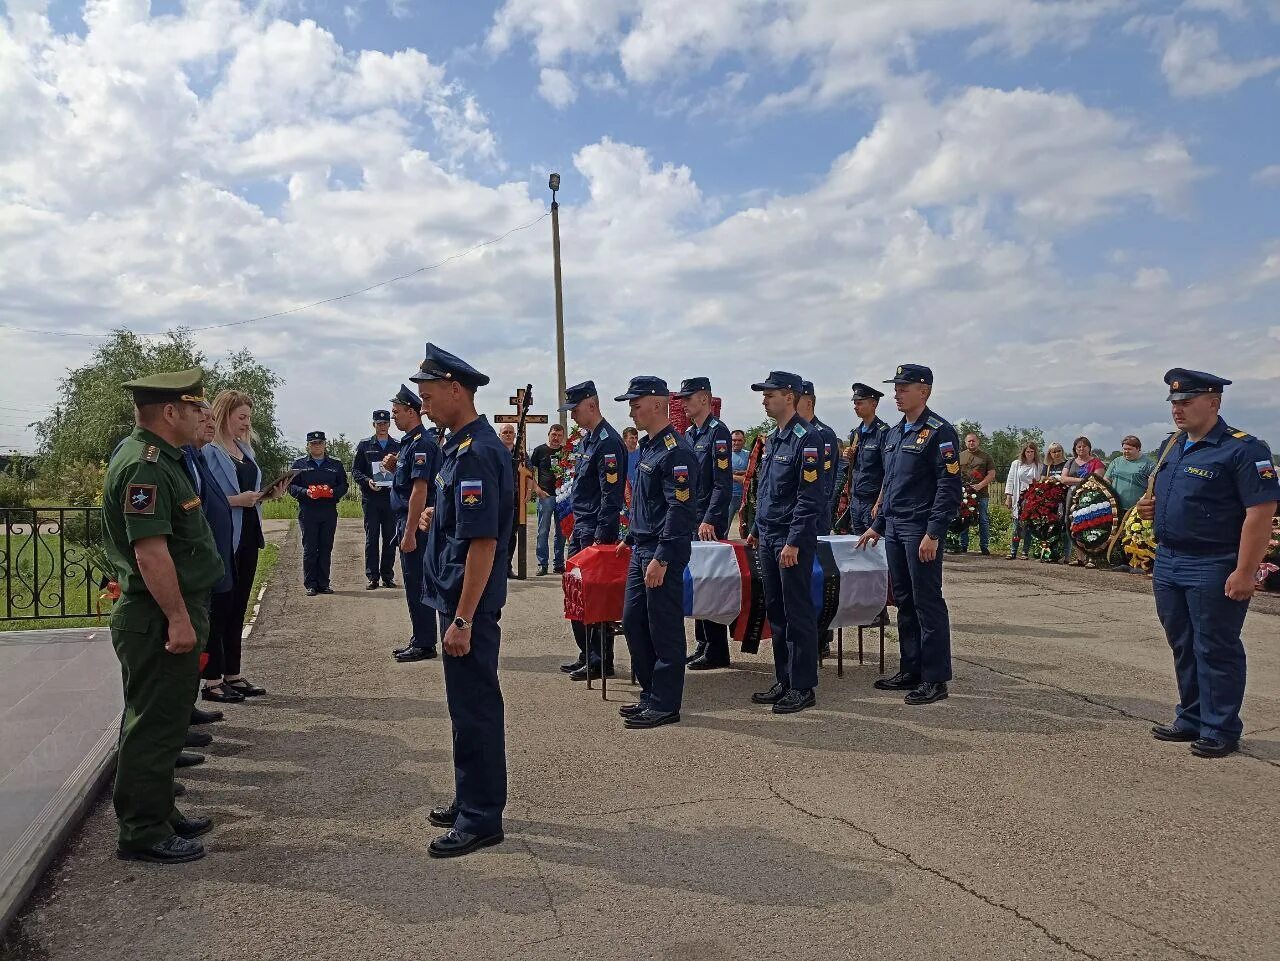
x=663, y=521
x=921, y=496
x=419, y=459
x=789, y=503
x=379, y=518
x=1201, y=493
x=474, y=499
x=318, y=519
x=867, y=441
x=599, y=489
x=830, y=459
x=713, y=445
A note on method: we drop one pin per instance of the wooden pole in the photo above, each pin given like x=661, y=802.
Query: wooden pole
x=555, y=254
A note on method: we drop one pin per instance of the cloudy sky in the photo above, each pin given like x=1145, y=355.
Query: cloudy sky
x=1048, y=201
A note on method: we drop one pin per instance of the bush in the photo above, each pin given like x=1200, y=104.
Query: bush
x=77, y=485
x=14, y=491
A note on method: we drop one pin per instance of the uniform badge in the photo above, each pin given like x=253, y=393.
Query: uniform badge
x=953, y=468
x=809, y=475
x=722, y=463
x=811, y=455
x=439, y=481
x=670, y=441
x=798, y=430
x=682, y=494
x=610, y=461
x=419, y=459
x=722, y=447
x=151, y=453
x=924, y=435
x=948, y=452
x=472, y=492
x=681, y=474
x=140, y=499
x=191, y=504
x=464, y=445
x=1266, y=470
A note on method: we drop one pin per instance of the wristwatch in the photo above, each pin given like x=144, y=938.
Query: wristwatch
x=661, y=563
x=462, y=624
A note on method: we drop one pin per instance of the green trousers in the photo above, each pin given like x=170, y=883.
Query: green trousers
x=159, y=691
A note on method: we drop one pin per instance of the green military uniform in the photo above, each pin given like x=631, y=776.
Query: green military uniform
x=149, y=493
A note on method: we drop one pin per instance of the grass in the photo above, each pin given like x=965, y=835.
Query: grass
x=286, y=508
x=41, y=558
x=268, y=560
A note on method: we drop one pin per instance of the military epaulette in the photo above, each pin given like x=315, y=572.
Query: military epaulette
x=798, y=430
x=604, y=434
x=151, y=453
x=934, y=423
x=1240, y=434
x=464, y=445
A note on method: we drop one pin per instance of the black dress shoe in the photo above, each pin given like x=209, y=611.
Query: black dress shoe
x=706, y=664
x=311, y=592
x=1171, y=732
x=244, y=688
x=326, y=590
x=179, y=789
x=172, y=850
x=388, y=583
x=771, y=696
x=581, y=673
x=901, y=681
x=197, y=739
x=444, y=817
x=1212, y=747
x=795, y=701
x=650, y=718
x=409, y=655
x=558, y=570
x=221, y=693
x=187, y=759
x=456, y=843
x=371, y=586
x=927, y=693
x=627, y=710
x=542, y=572
x=699, y=651
x=192, y=827
x=204, y=717
x=572, y=666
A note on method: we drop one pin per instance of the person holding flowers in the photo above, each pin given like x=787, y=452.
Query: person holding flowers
x=320, y=483
x=1023, y=472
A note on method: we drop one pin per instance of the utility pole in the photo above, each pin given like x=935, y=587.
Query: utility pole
x=554, y=184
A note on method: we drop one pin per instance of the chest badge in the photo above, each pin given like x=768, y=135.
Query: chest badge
x=472, y=492
x=924, y=434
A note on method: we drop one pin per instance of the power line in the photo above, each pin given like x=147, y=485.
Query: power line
x=318, y=303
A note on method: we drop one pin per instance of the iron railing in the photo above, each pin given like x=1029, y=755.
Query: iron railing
x=51, y=563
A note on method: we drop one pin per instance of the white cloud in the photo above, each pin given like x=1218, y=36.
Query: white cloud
x=1192, y=60
x=1150, y=278
x=1268, y=176
x=555, y=87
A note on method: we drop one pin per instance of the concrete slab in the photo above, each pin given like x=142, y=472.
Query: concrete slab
x=1030, y=816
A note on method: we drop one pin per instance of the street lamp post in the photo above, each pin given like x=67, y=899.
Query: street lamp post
x=554, y=184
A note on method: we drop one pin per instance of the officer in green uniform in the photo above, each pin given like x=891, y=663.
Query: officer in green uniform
x=164, y=555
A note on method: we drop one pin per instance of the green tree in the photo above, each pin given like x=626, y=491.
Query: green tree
x=764, y=427
x=94, y=413
x=1006, y=445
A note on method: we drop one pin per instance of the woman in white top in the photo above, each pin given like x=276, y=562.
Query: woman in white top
x=1023, y=472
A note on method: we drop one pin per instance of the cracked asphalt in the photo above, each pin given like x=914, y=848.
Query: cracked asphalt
x=1030, y=816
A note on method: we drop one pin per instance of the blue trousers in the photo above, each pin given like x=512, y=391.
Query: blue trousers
x=546, y=523
x=653, y=620
x=474, y=697
x=924, y=625
x=860, y=514
x=1203, y=627
x=984, y=526
x=421, y=616
x=793, y=621
x=318, y=527
x=379, y=537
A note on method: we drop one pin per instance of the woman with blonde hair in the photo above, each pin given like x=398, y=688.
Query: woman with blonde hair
x=1023, y=472
x=231, y=462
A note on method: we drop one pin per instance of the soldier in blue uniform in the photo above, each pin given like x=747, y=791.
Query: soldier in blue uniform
x=919, y=500
x=473, y=514
x=830, y=454
x=789, y=503
x=375, y=501
x=412, y=491
x=663, y=521
x=599, y=484
x=713, y=443
x=317, y=514
x=1215, y=494
x=865, y=457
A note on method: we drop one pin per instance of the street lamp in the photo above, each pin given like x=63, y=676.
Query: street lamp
x=554, y=184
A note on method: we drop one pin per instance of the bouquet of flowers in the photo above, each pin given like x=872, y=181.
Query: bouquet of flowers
x=320, y=492
x=1138, y=542
x=1268, y=574
x=1041, y=516
x=968, y=514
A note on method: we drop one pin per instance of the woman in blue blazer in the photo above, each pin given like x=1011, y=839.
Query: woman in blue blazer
x=231, y=462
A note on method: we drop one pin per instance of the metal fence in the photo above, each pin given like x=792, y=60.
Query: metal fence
x=51, y=563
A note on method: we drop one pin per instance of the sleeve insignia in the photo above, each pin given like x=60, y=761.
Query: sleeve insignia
x=610, y=461
x=472, y=492
x=611, y=478
x=953, y=468
x=811, y=455
x=722, y=463
x=681, y=473
x=810, y=475
x=948, y=452
x=140, y=499
x=420, y=458
x=722, y=446
x=151, y=453
x=670, y=441
x=1266, y=470
x=683, y=494
x=191, y=504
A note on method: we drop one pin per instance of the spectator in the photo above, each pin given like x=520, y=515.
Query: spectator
x=541, y=461
x=1076, y=471
x=741, y=457
x=977, y=471
x=631, y=438
x=1128, y=474
x=231, y=461
x=1023, y=472
x=508, y=437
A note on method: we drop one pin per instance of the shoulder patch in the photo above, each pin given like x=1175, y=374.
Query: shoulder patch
x=151, y=453
x=1266, y=470
x=140, y=499
x=934, y=423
